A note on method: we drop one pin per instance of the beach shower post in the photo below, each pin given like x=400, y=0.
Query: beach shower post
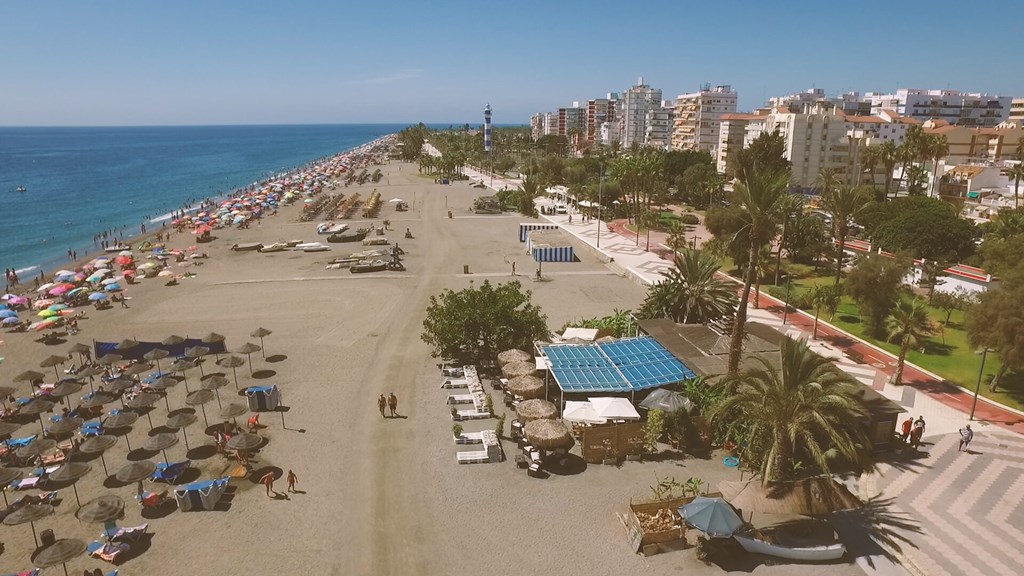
x=487, y=141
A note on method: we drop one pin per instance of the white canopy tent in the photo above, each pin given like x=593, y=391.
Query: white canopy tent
x=582, y=412
x=614, y=408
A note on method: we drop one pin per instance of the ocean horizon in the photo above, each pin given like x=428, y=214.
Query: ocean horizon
x=80, y=181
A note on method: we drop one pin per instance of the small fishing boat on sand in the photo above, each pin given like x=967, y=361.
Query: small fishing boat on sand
x=247, y=247
x=349, y=236
x=312, y=247
x=331, y=228
x=117, y=248
x=368, y=266
x=275, y=247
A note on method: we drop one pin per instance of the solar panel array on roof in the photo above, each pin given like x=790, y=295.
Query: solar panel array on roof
x=620, y=366
x=645, y=363
x=584, y=369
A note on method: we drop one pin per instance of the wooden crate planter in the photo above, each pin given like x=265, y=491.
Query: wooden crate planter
x=639, y=539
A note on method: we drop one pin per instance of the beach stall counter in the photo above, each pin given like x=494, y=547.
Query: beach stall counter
x=652, y=527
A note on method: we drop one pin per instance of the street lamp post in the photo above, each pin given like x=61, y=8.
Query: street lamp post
x=977, y=387
x=600, y=204
x=785, y=305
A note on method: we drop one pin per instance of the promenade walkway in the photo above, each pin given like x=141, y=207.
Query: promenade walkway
x=952, y=513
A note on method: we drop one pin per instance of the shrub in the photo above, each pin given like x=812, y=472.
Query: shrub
x=689, y=219
x=653, y=430
x=457, y=429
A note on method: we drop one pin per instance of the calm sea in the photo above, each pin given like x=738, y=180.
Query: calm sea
x=80, y=181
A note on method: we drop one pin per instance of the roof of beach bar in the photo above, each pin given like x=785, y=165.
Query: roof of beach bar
x=626, y=365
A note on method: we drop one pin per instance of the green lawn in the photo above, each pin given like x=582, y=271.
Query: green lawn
x=947, y=353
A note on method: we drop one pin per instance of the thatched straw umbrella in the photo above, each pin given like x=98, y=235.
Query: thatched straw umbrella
x=526, y=386
x=536, y=410
x=817, y=496
x=514, y=355
x=548, y=434
x=513, y=369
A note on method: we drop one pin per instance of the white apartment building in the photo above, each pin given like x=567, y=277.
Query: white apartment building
x=543, y=124
x=550, y=124
x=953, y=106
x=698, y=117
x=733, y=131
x=659, y=126
x=609, y=133
x=636, y=102
x=849, y=103
x=599, y=111
x=1017, y=111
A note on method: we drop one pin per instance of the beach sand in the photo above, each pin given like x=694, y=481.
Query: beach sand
x=378, y=496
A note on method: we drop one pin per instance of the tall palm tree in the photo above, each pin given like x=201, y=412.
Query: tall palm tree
x=691, y=293
x=907, y=324
x=938, y=147
x=888, y=157
x=828, y=179
x=805, y=408
x=763, y=199
x=870, y=158
x=826, y=298
x=1015, y=173
x=844, y=203
x=765, y=268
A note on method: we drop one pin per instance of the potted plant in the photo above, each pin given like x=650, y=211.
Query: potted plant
x=499, y=428
x=455, y=413
x=457, y=430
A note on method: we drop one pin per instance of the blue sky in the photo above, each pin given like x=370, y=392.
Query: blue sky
x=101, y=62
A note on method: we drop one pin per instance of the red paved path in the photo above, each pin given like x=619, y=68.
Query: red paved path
x=884, y=362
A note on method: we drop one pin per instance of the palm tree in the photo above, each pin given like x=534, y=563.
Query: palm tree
x=691, y=293
x=938, y=147
x=825, y=298
x=763, y=199
x=888, y=157
x=907, y=324
x=871, y=157
x=844, y=203
x=764, y=270
x=828, y=179
x=805, y=408
x=1015, y=173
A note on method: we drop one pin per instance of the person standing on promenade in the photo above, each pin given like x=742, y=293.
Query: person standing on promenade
x=382, y=403
x=919, y=423
x=907, y=425
x=393, y=404
x=292, y=479
x=966, y=435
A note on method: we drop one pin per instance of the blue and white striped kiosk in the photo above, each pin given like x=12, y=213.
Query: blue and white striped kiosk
x=526, y=227
x=550, y=246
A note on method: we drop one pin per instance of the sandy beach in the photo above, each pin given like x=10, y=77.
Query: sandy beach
x=377, y=496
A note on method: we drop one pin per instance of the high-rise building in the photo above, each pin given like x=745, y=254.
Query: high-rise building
x=698, y=116
x=733, y=131
x=572, y=121
x=537, y=125
x=1017, y=111
x=636, y=102
x=953, y=106
x=599, y=111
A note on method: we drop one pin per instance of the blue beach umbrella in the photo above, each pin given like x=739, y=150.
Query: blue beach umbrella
x=712, y=516
x=56, y=307
x=96, y=296
x=8, y=314
x=10, y=320
x=113, y=287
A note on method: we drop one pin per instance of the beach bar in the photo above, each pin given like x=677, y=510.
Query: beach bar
x=526, y=227
x=550, y=246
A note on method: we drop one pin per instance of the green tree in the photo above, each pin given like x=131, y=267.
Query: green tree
x=824, y=298
x=938, y=148
x=950, y=302
x=676, y=162
x=474, y=324
x=907, y=325
x=996, y=321
x=618, y=325
x=805, y=238
x=844, y=203
x=763, y=199
x=871, y=157
x=697, y=185
x=691, y=293
x=805, y=409
x=1015, y=173
x=888, y=157
x=924, y=227
x=767, y=152
x=874, y=283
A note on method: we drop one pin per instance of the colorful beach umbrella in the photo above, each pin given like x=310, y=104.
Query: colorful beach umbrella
x=8, y=314
x=113, y=287
x=57, y=307
x=10, y=320
x=96, y=296
x=47, y=313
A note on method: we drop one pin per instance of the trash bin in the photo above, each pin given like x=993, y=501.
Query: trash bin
x=449, y=213
x=465, y=268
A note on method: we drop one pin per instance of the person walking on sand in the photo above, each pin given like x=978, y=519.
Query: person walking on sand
x=966, y=435
x=292, y=479
x=268, y=481
x=382, y=403
x=908, y=424
x=393, y=404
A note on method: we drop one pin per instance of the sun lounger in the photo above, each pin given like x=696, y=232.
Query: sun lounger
x=26, y=483
x=474, y=457
x=92, y=428
x=106, y=550
x=34, y=572
x=470, y=438
x=15, y=443
x=52, y=458
x=170, y=471
x=450, y=383
x=460, y=399
x=470, y=415
x=130, y=533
